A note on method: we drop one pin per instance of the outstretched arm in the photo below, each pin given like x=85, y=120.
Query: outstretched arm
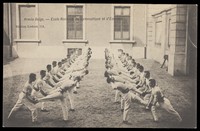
x=133, y=88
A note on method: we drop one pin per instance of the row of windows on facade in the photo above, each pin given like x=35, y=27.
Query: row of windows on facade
x=75, y=23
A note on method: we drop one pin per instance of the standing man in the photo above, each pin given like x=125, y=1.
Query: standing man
x=60, y=94
x=158, y=97
x=42, y=88
x=26, y=99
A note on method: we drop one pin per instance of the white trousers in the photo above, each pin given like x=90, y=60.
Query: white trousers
x=22, y=100
x=71, y=97
x=126, y=102
x=64, y=107
x=166, y=105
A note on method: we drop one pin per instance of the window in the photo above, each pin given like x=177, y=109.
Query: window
x=158, y=32
x=74, y=22
x=26, y=14
x=70, y=51
x=122, y=23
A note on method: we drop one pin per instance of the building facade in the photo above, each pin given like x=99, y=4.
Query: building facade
x=41, y=30
x=172, y=31
x=51, y=30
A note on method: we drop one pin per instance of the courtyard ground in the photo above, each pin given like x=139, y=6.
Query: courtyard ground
x=94, y=105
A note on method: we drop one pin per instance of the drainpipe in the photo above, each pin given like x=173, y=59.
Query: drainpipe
x=186, y=42
x=145, y=47
x=10, y=27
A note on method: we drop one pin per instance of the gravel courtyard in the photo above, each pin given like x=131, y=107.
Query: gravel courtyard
x=94, y=105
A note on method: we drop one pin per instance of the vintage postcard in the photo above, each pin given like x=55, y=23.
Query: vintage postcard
x=100, y=65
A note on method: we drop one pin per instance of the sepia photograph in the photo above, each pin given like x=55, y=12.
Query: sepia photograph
x=89, y=65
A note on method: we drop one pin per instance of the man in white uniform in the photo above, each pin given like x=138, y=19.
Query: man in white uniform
x=26, y=99
x=157, y=97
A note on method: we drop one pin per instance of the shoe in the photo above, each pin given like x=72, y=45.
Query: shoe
x=180, y=120
x=9, y=118
x=35, y=122
x=117, y=102
x=12, y=117
x=75, y=92
x=71, y=109
x=126, y=122
x=155, y=120
x=44, y=110
x=65, y=121
x=35, y=101
x=147, y=108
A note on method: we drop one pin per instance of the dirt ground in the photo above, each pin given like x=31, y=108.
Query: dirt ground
x=94, y=105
